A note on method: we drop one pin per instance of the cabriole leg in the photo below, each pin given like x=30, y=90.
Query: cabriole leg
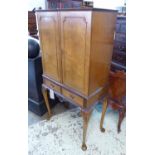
x=45, y=94
x=104, y=108
x=86, y=116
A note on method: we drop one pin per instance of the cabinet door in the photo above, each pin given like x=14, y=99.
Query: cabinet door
x=49, y=39
x=75, y=44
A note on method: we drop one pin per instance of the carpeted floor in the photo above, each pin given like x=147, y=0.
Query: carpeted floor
x=62, y=135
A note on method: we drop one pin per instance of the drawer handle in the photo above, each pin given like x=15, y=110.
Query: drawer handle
x=72, y=96
x=52, y=85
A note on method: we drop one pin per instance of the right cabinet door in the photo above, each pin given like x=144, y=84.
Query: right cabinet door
x=75, y=46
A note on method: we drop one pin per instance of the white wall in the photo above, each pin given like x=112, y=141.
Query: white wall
x=109, y=4
x=35, y=4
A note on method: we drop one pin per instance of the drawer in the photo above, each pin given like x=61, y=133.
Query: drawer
x=73, y=97
x=52, y=85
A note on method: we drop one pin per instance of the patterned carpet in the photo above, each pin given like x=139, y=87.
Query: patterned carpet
x=62, y=135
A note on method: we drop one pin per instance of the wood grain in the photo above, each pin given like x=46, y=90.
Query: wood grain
x=96, y=97
x=73, y=97
x=75, y=44
x=49, y=39
x=77, y=48
x=52, y=85
x=103, y=27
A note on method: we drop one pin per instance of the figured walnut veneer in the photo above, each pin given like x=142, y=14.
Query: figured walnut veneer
x=77, y=48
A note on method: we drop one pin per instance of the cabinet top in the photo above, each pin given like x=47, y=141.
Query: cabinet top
x=78, y=9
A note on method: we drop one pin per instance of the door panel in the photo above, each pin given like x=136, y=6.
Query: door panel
x=75, y=44
x=49, y=38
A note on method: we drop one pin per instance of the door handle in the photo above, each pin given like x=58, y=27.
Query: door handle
x=52, y=85
x=71, y=96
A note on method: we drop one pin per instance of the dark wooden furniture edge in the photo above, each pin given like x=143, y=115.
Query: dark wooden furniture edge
x=85, y=109
x=77, y=9
x=75, y=91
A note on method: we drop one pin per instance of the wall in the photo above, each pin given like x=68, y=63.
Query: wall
x=35, y=3
x=109, y=4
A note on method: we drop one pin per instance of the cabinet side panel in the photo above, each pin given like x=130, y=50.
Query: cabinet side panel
x=103, y=27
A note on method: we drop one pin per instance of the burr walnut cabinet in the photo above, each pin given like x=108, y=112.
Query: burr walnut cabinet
x=77, y=49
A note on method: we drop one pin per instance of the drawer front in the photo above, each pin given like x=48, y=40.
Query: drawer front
x=52, y=85
x=73, y=97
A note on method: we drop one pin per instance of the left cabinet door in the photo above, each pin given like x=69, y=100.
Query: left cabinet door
x=49, y=41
